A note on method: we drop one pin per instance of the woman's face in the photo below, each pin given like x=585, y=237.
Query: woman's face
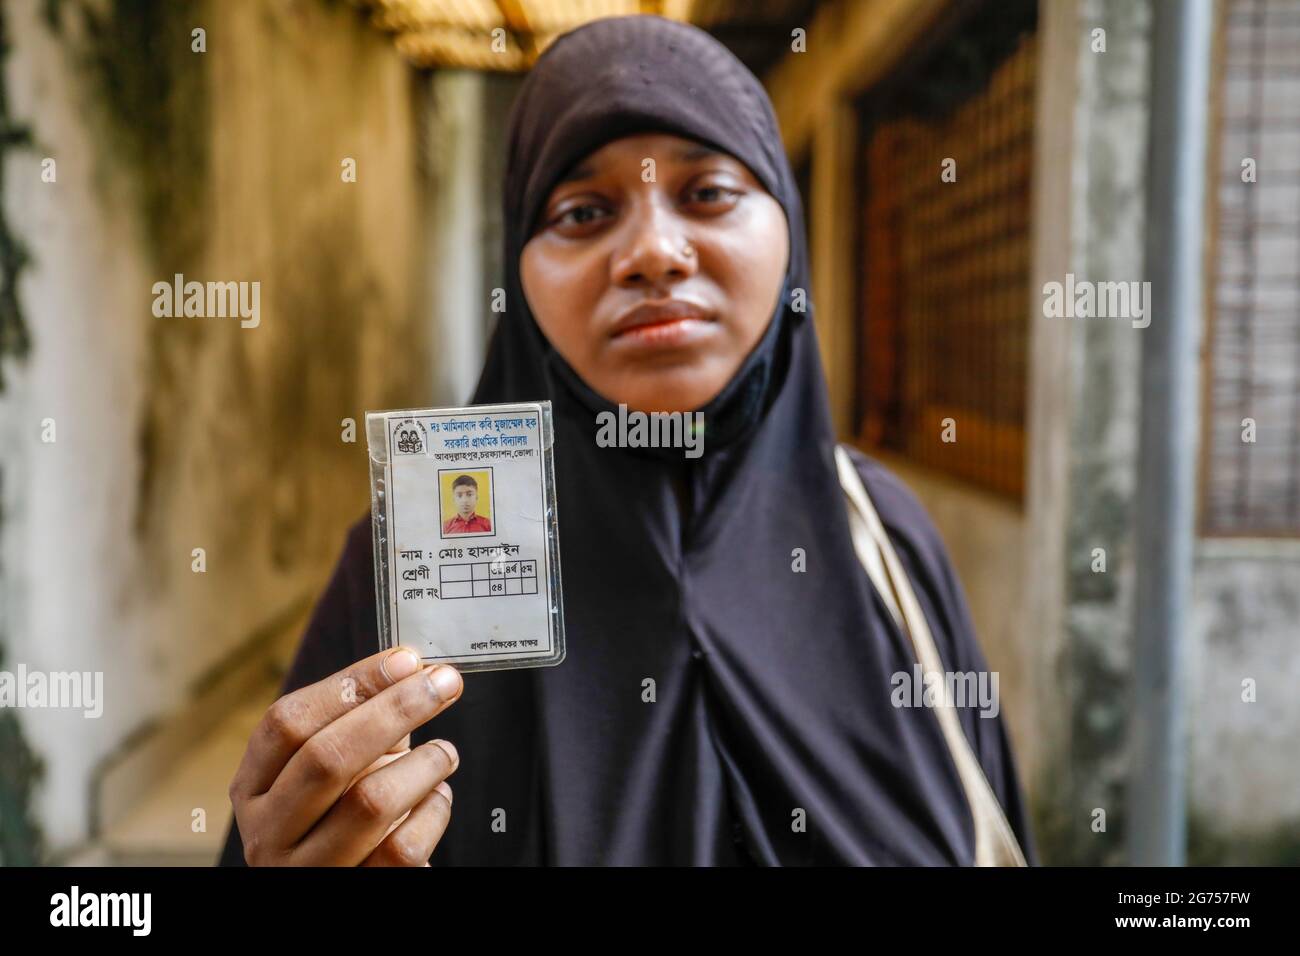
x=654, y=269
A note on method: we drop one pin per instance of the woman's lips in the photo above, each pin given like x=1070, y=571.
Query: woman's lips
x=676, y=332
x=659, y=324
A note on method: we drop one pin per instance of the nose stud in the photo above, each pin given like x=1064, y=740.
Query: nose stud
x=688, y=250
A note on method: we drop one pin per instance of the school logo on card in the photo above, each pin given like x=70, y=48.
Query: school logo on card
x=409, y=437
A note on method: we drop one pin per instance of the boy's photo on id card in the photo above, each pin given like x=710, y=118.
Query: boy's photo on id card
x=466, y=502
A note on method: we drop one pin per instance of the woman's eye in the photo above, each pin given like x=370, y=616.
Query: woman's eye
x=579, y=215
x=713, y=195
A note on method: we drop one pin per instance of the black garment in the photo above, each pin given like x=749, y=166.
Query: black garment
x=772, y=687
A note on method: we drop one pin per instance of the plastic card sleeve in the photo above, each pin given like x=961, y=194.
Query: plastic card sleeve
x=467, y=555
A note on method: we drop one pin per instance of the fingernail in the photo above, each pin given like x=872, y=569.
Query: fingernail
x=399, y=664
x=445, y=790
x=445, y=682
x=450, y=748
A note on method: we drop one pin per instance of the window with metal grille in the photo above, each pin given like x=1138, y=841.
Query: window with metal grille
x=945, y=297
x=1251, y=443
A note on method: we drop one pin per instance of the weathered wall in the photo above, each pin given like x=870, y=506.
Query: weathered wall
x=1083, y=403
x=1244, y=778
x=1244, y=768
x=183, y=433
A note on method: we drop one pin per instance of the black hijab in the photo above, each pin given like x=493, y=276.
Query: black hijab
x=770, y=736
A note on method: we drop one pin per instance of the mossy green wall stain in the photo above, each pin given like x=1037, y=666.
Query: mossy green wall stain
x=14, y=340
x=1210, y=845
x=138, y=58
x=1063, y=815
x=20, y=772
x=20, y=837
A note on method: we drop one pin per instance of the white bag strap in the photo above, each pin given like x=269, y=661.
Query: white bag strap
x=995, y=842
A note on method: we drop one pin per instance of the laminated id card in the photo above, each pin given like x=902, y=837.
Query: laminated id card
x=467, y=561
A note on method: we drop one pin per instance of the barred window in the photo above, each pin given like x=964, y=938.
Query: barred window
x=1251, y=441
x=945, y=299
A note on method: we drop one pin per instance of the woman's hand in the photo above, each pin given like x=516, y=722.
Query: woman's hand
x=329, y=777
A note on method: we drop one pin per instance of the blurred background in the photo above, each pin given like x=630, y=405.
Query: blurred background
x=174, y=491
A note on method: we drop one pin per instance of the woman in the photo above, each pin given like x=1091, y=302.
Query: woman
x=727, y=694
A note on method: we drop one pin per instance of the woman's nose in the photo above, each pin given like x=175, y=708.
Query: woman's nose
x=655, y=248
